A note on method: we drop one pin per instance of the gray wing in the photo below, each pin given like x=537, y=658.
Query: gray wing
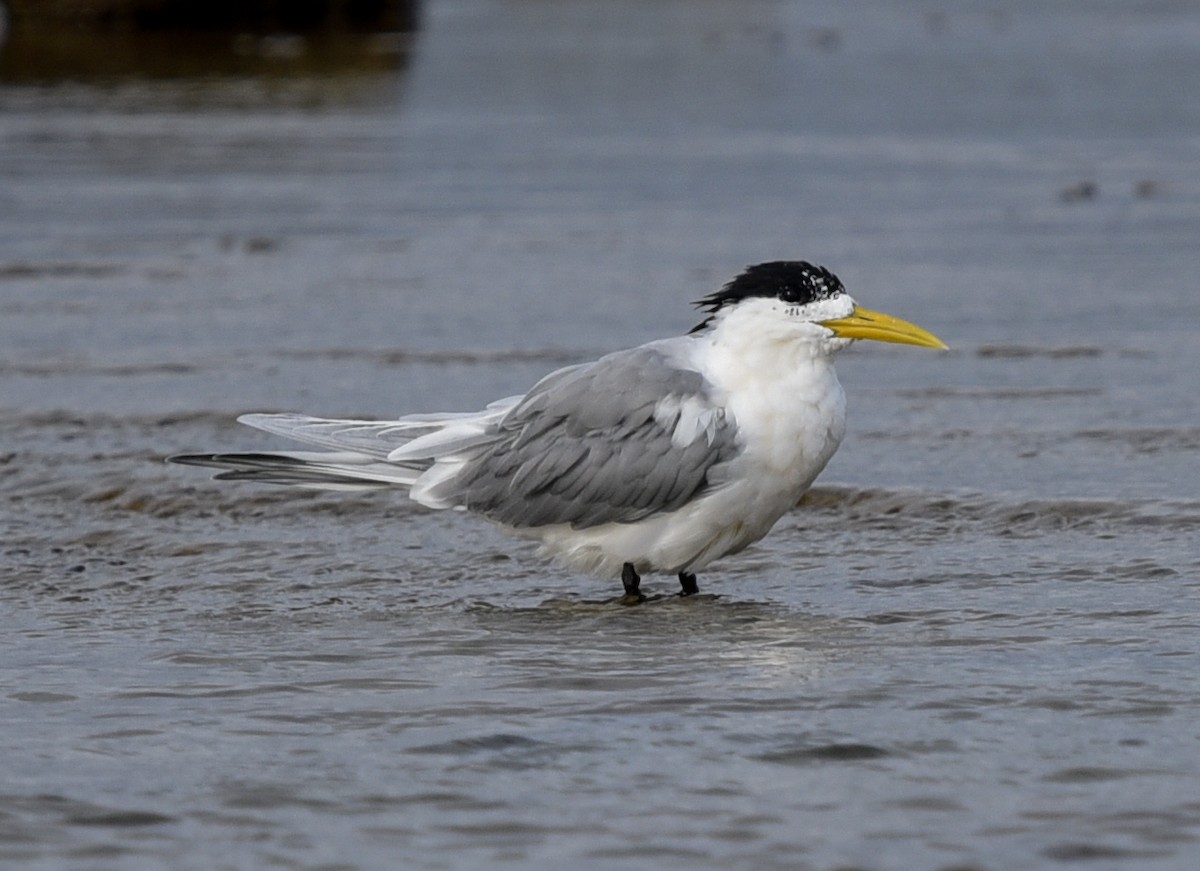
x=617, y=440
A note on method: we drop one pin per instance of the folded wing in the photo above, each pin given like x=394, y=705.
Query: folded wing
x=631, y=435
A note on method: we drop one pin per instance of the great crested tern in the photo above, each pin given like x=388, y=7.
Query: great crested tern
x=660, y=458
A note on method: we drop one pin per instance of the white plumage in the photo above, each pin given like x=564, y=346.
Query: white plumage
x=660, y=458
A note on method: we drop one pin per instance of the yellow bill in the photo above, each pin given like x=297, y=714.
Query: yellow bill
x=863, y=323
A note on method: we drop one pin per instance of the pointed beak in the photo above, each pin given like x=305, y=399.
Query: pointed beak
x=863, y=323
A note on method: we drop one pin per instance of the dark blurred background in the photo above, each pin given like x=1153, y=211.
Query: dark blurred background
x=48, y=40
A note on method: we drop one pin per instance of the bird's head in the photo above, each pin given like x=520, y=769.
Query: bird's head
x=801, y=300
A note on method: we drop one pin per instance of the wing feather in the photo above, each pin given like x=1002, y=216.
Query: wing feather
x=618, y=440
x=631, y=435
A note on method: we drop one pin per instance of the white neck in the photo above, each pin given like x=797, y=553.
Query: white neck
x=759, y=335
x=776, y=378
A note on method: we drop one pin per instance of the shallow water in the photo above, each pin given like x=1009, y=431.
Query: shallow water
x=972, y=646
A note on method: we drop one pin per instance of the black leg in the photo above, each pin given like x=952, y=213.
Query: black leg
x=688, y=585
x=632, y=582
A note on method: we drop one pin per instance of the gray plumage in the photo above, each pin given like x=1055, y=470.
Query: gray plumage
x=613, y=441
x=598, y=443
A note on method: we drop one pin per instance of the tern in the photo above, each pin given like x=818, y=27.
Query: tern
x=659, y=458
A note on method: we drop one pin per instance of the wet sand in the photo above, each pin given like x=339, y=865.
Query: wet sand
x=971, y=646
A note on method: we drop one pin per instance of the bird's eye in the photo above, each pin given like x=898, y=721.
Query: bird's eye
x=790, y=295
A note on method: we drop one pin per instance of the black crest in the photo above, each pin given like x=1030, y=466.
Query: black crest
x=795, y=282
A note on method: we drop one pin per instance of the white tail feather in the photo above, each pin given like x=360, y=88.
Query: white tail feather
x=417, y=451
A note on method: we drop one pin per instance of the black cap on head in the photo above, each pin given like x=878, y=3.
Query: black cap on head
x=795, y=282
